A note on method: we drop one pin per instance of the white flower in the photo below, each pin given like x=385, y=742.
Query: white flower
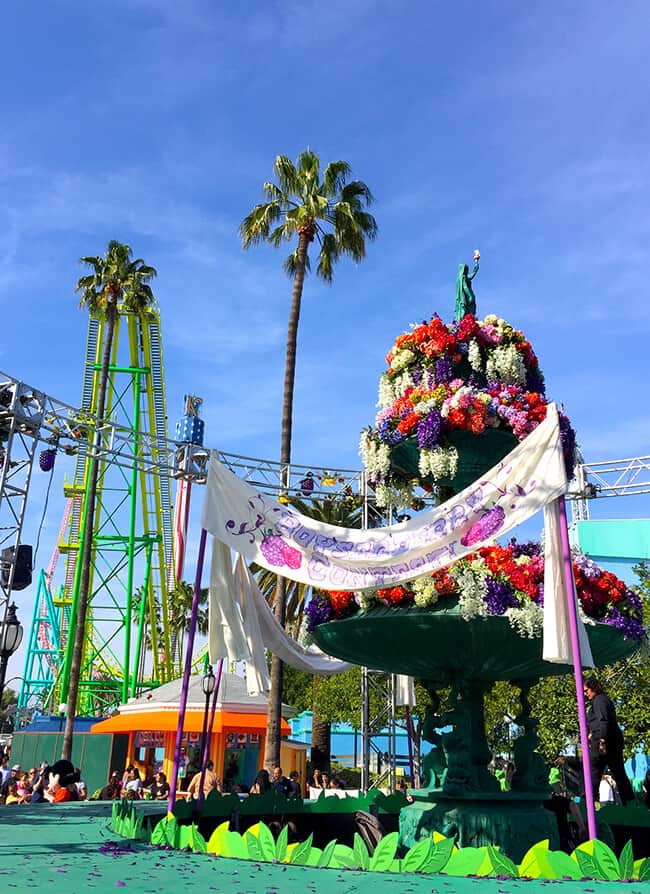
x=386, y=392
x=375, y=456
x=527, y=619
x=424, y=590
x=438, y=463
x=472, y=587
x=402, y=359
x=474, y=356
x=393, y=494
x=505, y=364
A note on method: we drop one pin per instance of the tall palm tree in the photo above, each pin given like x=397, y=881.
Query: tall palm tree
x=116, y=278
x=333, y=510
x=331, y=210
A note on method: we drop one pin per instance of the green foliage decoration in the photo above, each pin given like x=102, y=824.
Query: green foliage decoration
x=127, y=823
x=433, y=855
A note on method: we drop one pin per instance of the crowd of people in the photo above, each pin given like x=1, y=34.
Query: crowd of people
x=62, y=782
x=55, y=784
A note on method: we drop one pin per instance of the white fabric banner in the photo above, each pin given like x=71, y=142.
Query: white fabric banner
x=332, y=558
x=327, y=557
x=557, y=626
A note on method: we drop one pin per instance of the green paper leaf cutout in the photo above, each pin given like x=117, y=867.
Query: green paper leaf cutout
x=300, y=853
x=327, y=854
x=343, y=857
x=266, y=843
x=560, y=864
x=234, y=846
x=532, y=862
x=384, y=853
x=439, y=855
x=587, y=864
x=253, y=845
x=606, y=862
x=361, y=856
x=418, y=856
x=466, y=861
x=644, y=870
x=626, y=861
x=501, y=864
x=281, y=844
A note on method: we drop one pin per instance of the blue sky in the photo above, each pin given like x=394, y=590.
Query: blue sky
x=521, y=129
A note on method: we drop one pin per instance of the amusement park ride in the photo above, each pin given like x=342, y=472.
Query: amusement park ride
x=138, y=539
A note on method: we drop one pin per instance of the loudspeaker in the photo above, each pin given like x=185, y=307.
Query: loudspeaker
x=23, y=572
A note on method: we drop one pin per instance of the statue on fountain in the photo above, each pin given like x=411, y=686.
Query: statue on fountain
x=465, y=302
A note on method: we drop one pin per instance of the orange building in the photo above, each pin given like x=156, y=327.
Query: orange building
x=238, y=734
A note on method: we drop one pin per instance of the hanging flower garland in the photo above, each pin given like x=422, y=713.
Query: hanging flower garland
x=496, y=580
x=469, y=376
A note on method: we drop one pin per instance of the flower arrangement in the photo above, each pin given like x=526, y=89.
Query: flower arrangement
x=496, y=580
x=469, y=376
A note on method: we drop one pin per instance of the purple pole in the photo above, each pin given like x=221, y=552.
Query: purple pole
x=187, y=671
x=409, y=739
x=208, y=734
x=577, y=668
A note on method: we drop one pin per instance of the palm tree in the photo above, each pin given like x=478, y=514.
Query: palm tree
x=333, y=510
x=115, y=278
x=331, y=210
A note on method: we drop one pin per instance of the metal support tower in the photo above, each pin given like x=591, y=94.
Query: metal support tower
x=383, y=687
x=21, y=414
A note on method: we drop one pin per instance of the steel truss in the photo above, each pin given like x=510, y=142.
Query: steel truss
x=613, y=478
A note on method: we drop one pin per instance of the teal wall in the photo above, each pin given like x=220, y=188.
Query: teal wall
x=96, y=755
x=616, y=545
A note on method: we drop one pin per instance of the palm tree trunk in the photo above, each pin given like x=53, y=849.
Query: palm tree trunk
x=273, y=727
x=87, y=546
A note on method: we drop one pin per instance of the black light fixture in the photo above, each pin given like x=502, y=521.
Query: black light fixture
x=207, y=683
x=11, y=635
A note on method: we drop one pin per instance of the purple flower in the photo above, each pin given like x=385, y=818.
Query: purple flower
x=429, y=430
x=499, y=597
x=524, y=549
x=630, y=627
x=318, y=611
x=416, y=372
x=444, y=370
x=387, y=433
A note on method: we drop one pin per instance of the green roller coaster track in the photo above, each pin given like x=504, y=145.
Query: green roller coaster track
x=128, y=641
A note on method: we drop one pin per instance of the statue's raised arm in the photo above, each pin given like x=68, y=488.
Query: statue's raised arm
x=465, y=299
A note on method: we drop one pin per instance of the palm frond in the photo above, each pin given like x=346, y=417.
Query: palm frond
x=357, y=189
x=328, y=256
x=287, y=175
x=256, y=226
x=291, y=264
x=334, y=177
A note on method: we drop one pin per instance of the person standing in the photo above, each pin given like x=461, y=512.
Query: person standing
x=210, y=782
x=280, y=783
x=605, y=740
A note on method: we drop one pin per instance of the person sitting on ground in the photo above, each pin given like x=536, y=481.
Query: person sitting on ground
x=210, y=782
x=314, y=779
x=337, y=782
x=262, y=783
x=280, y=783
x=159, y=788
x=324, y=780
x=61, y=783
x=12, y=796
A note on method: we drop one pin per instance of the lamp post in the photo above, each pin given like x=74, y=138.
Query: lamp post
x=207, y=683
x=11, y=634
